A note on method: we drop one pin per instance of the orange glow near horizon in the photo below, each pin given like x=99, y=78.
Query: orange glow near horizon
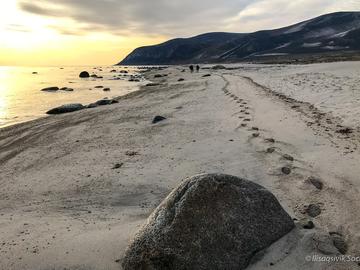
x=29, y=40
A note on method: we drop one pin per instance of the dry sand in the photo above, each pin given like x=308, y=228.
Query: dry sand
x=63, y=205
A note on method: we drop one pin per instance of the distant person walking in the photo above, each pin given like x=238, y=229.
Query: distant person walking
x=197, y=68
x=191, y=68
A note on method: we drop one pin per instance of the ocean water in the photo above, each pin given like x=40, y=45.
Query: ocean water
x=21, y=98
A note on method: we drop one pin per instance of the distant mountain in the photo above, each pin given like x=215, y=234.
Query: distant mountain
x=328, y=33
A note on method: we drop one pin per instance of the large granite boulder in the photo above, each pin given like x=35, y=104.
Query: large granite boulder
x=209, y=221
x=67, y=108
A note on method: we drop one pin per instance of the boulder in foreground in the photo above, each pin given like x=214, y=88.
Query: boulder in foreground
x=67, y=108
x=209, y=221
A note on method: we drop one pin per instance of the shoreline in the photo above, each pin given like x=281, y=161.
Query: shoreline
x=59, y=177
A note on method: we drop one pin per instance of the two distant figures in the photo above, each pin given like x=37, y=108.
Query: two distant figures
x=192, y=68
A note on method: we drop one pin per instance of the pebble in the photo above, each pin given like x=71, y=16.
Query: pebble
x=286, y=170
x=313, y=210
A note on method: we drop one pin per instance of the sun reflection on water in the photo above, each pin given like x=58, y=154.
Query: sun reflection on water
x=21, y=98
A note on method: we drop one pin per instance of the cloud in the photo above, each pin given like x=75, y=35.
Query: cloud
x=17, y=28
x=179, y=18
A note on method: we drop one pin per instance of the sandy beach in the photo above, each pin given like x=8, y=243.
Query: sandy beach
x=76, y=187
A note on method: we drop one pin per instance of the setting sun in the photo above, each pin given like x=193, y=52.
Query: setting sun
x=30, y=39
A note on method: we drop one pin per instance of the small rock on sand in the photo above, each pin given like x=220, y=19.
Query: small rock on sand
x=206, y=75
x=286, y=170
x=117, y=166
x=270, y=150
x=67, y=108
x=313, y=210
x=106, y=89
x=158, y=118
x=209, y=221
x=181, y=80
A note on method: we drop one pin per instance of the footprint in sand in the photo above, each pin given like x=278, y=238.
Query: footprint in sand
x=269, y=140
x=288, y=157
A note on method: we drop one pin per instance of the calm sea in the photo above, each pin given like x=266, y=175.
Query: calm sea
x=21, y=98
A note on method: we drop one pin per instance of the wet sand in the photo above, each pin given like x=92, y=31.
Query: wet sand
x=76, y=187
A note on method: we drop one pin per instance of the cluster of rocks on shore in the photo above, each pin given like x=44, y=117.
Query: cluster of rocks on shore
x=72, y=107
x=55, y=88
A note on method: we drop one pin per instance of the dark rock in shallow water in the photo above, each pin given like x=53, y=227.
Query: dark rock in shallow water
x=313, y=210
x=50, y=89
x=209, y=221
x=102, y=102
x=67, y=108
x=158, y=118
x=84, y=74
x=66, y=89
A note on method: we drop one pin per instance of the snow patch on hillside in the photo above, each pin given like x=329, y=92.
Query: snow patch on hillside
x=311, y=45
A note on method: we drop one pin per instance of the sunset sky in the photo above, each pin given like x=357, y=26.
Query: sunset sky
x=102, y=32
